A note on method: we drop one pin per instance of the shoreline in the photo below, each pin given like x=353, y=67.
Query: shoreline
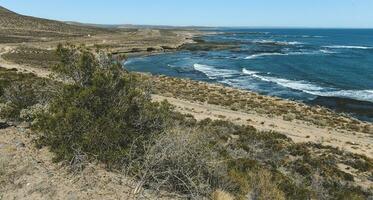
x=358, y=109
x=185, y=37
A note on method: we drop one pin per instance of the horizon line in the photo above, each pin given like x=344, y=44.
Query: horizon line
x=192, y=26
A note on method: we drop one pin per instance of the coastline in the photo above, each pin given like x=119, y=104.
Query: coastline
x=341, y=105
x=77, y=121
x=300, y=115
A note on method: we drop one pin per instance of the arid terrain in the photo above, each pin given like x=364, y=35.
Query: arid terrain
x=28, y=172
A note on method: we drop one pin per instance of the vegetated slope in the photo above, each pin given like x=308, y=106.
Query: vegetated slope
x=107, y=117
x=16, y=28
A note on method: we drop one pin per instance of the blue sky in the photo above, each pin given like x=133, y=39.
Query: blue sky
x=267, y=13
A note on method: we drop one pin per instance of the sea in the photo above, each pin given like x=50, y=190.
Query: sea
x=327, y=67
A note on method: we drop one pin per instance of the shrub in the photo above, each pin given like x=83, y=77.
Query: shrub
x=102, y=113
x=221, y=195
x=184, y=161
x=289, y=117
x=264, y=188
x=20, y=91
x=17, y=96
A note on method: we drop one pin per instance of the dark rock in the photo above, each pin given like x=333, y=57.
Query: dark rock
x=4, y=125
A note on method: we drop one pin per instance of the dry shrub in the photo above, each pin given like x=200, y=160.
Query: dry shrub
x=182, y=161
x=264, y=188
x=221, y=195
x=289, y=117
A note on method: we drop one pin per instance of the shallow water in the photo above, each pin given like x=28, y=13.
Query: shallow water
x=299, y=64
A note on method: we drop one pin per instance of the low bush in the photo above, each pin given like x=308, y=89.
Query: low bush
x=183, y=160
x=263, y=187
x=17, y=96
x=20, y=91
x=101, y=113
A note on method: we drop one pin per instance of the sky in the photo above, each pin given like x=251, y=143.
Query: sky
x=248, y=13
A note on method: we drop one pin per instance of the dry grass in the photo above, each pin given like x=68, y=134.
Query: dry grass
x=221, y=195
x=32, y=57
x=264, y=188
x=4, y=164
x=181, y=161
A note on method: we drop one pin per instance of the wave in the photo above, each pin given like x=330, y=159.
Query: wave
x=295, y=85
x=306, y=87
x=327, y=51
x=347, y=47
x=229, y=77
x=248, y=72
x=277, y=42
x=214, y=73
x=362, y=95
x=289, y=54
x=312, y=36
x=264, y=54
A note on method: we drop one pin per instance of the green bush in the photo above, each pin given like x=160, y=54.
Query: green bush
x=102, y=113
x=16, y=97
x=19, y=91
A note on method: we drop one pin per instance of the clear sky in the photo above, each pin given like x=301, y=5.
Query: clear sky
x=283, y=13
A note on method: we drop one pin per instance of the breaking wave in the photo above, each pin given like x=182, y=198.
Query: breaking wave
x=214, y=73
x=265, y=54
x=296, y=85
x=347, y=47
x=362, y=95
x=307, y=87
x=322, y=51
x=273, y=42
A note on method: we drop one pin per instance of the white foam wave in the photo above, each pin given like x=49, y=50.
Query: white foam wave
x=213, y=72
x=264, y=54
x=362, y=95
x=295, y=85
x=312, y=36
x=248, y=72
x=287, y=54
x=327, y=51
x=347, y=47
x=277, y=42
x=307, y=87
x=303, y=86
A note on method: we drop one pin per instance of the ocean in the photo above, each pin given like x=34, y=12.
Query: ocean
x=328, y=67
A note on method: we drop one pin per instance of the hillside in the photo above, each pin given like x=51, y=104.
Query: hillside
x=16, y=28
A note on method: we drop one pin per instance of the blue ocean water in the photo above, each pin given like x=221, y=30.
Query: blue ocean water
x=298, y=64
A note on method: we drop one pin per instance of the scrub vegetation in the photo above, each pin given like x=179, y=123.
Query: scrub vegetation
x=97, y=112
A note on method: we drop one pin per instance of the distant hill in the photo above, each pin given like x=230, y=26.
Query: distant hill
x=136, y=26
x=16, y=23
